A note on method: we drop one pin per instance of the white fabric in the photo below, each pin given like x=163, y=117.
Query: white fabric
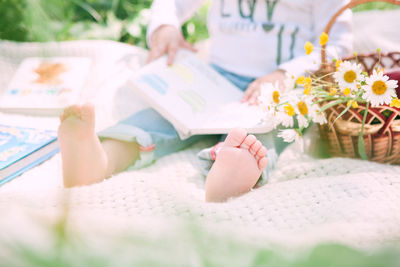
x=372, y=33
x=309, y=201
x=240, y=42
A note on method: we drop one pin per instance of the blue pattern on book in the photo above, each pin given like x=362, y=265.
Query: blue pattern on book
x=17, y=143
x=156, y=82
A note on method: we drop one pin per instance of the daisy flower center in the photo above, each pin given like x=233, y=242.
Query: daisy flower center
x=302, y=108
x=379, y=87
x=289, y=110
x=350, y=76
x=275, y=97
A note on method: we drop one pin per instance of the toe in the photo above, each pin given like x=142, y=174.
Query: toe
x=262, y=152
x=235, y=137
x=248, y=141
x=262, y=163
x=255, y=147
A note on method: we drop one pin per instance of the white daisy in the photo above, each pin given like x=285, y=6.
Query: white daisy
x=303, y=121
x=272, y=118
x=348, y=75
x=290, y=81
x=316, y=115
x=303, y=110
x=289, y=135
x=379, y=89
x=270, y=96
x=285, y=115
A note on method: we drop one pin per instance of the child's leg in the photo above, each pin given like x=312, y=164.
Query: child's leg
x=237, y=167
x=84, y=159
x=134, y=142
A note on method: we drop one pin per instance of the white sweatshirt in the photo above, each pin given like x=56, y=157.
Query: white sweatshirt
x=255, y=37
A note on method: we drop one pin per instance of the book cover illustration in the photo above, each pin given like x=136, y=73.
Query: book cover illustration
x=17, y=143
x=46, y=83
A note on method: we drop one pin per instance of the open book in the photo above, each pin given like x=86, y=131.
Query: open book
x=45, y=86
x=195, y=98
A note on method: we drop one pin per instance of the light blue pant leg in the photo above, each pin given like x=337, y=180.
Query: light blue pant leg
x=155, y=135
x=241, y=82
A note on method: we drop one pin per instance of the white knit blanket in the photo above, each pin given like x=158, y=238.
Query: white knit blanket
x=308, y=200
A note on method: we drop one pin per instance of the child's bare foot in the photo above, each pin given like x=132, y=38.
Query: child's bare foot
x=237, y=167
x=84, y=160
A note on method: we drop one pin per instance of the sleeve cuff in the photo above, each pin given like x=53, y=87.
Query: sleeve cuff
x=299, y=66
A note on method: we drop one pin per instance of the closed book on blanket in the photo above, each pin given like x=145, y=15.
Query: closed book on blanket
x=45, y=86
x=24, y=148
x=195, y=98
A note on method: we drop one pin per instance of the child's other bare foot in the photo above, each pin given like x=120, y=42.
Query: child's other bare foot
x=237, y=167
x=84, y=160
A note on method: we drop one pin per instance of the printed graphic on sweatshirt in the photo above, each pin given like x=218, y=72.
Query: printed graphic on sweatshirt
x=246, y=10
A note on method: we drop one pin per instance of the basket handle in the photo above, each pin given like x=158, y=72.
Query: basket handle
x=350, y=5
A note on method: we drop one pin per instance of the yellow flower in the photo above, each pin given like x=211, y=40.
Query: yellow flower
x=307, y=89
x=289, y=110
x=301, y=80
x=353, y=103
x=309, y=47
x=302, y=106
x=395, y=103
x=338, y=62
x=323, y=39
x=332, y=91
x=275, y=97
x=346, y=91
x=308, y=81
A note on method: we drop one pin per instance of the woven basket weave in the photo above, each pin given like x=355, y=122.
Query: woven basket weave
x=381, y=133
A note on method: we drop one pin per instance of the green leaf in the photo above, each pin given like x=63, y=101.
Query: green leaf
x=361, y=144
x=342, y=113
x=89, y=9
x=331, y=104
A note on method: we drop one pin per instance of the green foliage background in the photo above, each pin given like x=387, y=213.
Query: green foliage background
x=119, y=20
x=59, y=20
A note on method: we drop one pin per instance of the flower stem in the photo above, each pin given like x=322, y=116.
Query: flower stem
x=361, y=145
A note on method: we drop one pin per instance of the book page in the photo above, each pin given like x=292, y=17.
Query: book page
x=46, y=83
x=193, y=96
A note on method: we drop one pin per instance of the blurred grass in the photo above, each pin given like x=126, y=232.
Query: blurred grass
x=375, y=6
x=119, y=20
x=190, y=245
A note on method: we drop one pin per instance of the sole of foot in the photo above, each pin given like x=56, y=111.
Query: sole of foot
x=83, y=159
x=237, y=168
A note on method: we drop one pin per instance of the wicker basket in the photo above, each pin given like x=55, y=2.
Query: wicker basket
x=381, y=134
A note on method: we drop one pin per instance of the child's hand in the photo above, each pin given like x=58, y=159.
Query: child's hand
x=167, y=39
x=253, y=91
